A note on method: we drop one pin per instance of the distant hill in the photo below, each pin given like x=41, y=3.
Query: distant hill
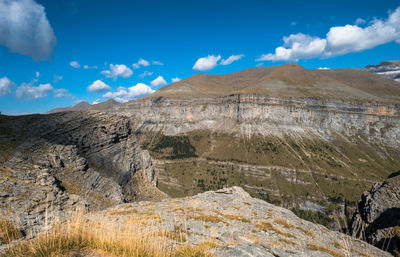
x=83, y=106
x=387, y=69
x=289, y=80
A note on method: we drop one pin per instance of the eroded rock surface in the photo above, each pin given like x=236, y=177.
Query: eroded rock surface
x=235, y=224
x=70, y=161
x=377, y=219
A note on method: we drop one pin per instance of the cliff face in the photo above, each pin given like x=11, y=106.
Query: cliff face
x=377, y=219
x=67, y=161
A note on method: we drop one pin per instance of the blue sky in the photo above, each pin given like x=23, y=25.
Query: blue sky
x=40, y=39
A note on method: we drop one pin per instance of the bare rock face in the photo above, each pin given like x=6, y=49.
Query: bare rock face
x=235, y=224
x=378, y=215
x=74, y=161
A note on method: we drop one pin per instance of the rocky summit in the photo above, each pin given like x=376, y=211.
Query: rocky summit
x=70, y=161
x=235, y=224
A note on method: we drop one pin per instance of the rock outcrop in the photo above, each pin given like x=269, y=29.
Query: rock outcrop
x=387, y=69
x=377, y=219
x=50, y=164
x=235, y=224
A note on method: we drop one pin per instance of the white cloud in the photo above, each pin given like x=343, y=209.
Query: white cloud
x=323, y=68
x=140, y=63
x=37, y=74
x=144, y=74
x=118, y=70
x=5, y=86
x=24, y=29
x=339, y=40
x=89, y=67
x=231, y=59
x=61, y=93
x=75, y=64
x=158, y=63
x=97, y=101
x=206, y=63
x=98, y=86
x=360, y=21
x=159, y=81
x=27, y=91
x=174, y=80
x=126, y=94
x=57, y=78
x=297, y=46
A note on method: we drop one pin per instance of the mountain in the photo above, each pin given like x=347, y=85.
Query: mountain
x=387, y=69
x=83, y=106
x=289, y=80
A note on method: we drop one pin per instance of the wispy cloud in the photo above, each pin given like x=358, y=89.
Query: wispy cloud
x=339, y=40
x=75, y=64
x=157, y=63
x=145, y=74
x=140, y=63
x=27, y=91
x=231, y=59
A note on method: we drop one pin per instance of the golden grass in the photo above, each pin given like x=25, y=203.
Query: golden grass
x=237, y=217
x=287, y=241
x=306, y=231
x=209, y=244
x=208, y=218
x=284, y=223
x=268, y=226
x=8, y=232
x=81, y=236
x=123, y=212
x=143, y=219
x=321, y=248
x=178, y=234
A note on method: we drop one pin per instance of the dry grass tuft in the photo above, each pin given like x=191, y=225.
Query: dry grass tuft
x=287, y=241
x=123, y=212
x=8, y=232
x=208, y=218
x=144, y=219
x=284, y=223
x=306, y=231
x=265, y=226
x=237, y=217
x=320, y=248
x=82, y=237
x=178, y=234
x=209, y=244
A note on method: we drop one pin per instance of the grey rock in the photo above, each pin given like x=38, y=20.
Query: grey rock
x=378, y=214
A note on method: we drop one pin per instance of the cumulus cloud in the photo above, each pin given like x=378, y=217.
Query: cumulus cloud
x=158, y=63
x=118, y=70
x=5, y=86
x=339, y=40
x=97, y=101
x=37, y=74
x=232, y=59
x=98, y=86
x=144, y=74
x=140, y=63
x=27, y=91
x=159, y=81
x=24, y=29
x=176, y=79
x=206, y=63
x=74, y=64
x=61, y=93
x=124, y=94
x=323, y=68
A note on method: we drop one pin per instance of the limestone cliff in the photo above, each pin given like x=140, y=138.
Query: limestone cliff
x=67, y=161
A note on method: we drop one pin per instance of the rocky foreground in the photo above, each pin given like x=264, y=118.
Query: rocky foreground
x=235, y=224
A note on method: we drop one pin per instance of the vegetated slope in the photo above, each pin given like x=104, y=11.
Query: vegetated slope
x=68, y=161
x=289, y=80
